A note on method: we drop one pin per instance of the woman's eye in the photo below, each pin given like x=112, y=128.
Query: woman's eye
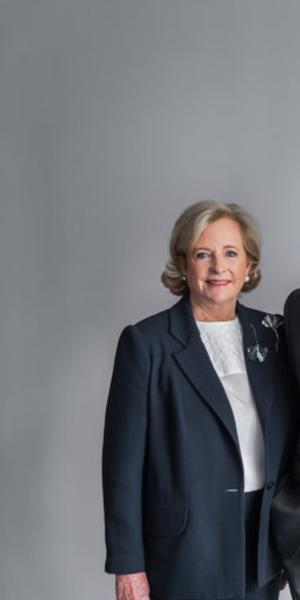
x=205, y=254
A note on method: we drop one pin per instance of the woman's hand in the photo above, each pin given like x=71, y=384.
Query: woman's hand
x=132, y=586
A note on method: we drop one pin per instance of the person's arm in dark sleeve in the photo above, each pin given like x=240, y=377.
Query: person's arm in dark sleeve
x=123, y=449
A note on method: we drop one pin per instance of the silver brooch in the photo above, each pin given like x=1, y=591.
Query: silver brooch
x=273, y=321
x=257, y=352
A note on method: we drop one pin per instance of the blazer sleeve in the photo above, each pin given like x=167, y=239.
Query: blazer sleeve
x=125, y=425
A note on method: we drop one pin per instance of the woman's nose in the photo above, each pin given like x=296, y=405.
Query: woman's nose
x=217, y=264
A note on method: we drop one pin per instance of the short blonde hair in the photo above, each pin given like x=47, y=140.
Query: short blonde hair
x=190, y=225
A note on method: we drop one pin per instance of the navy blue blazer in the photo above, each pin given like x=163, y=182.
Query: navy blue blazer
x=172, y=471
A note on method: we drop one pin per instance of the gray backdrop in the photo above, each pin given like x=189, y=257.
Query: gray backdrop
x=114, y=116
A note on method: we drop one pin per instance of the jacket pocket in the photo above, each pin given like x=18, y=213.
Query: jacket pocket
x=165, y=522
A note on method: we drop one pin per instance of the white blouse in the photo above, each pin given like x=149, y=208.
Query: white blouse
x=224, y=343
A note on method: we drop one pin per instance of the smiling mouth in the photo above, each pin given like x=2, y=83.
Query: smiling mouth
x=218, y=282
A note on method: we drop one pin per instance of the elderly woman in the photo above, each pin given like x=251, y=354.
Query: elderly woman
x=200, y=425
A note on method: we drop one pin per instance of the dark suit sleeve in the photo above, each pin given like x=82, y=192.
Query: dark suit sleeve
x=123, y=454
x=291, y=334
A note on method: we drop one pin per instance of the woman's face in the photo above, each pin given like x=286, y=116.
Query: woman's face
x=217, y=267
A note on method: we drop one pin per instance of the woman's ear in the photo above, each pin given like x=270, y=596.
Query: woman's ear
x=183, y=265
x=249, y=268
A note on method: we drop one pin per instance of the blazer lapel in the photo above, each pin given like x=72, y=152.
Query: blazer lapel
x=261, y=374
x=195, y=363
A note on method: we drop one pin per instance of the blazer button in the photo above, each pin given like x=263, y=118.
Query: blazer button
x=269, y=485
